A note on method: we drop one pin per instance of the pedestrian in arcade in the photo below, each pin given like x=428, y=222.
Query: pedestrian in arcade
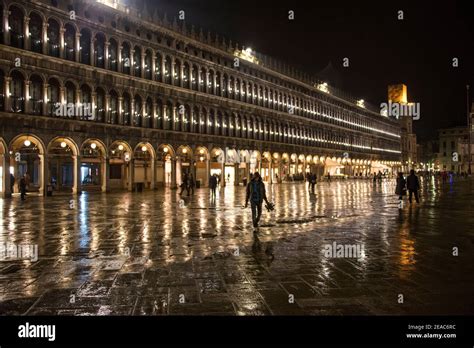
x=213, y=185
x=413, y=185
x=23, y=187
x=191, y=184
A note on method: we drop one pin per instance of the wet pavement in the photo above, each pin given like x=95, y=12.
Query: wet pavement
x=153, y=253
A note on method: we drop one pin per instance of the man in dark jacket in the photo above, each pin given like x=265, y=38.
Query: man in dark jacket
x=413, y=185
x=256, y=194
x=23, y=187
x=213, y=185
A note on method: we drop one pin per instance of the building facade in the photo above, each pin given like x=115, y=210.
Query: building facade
x=96, y=96
x=453, y=155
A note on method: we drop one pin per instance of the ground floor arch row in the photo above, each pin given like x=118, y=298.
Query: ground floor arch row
x=120, y=166
x=217, y=164
x=166, y=166
x=143, y=167
x=27, y=159
x=94, y=168
x=63, y=162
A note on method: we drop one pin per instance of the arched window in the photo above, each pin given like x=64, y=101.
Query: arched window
x=16, y=22
x=126, y=59
x=225, y=86
x=137, y=61
x=113, y=55
x=127, y=109
x=100, y=105
x=17, y=93
x=218, y=90
x=70, y=42
x=177, y=72
x=168, y=121
x=195, y=120
x=85, y=46
x=114, y=107
x=202, y=79
x=36, y=95
x=36, y=31
x=187, y=119
x=148, y=64
x=53, y=38
x=99, y=50
x=211, y=126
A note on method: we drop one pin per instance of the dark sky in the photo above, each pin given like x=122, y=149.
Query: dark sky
x=417, y=51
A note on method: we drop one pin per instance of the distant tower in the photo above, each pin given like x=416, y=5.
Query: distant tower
x=398, y=94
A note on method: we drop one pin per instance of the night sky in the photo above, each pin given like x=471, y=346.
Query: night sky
x=417, y=51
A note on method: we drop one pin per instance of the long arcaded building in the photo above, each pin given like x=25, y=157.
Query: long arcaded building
x=97, y=96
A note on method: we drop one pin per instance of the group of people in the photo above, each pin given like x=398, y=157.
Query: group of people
x=410, y=184
x=22, y=185
x=188, y=183
x=312, y=179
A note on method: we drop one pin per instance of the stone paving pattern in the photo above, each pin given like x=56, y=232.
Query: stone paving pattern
x=139, y=253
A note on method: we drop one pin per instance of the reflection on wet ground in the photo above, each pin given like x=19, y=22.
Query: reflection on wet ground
x=155, y=253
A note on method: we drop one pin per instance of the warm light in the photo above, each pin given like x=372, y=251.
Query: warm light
x=361, y=103
x=93, y=146
x=120, y=147
x=144, y=148
x=201, y=151
x=185, y=150
x=165, y=149
x=201, y=158
x=63, y=144
x=27, y=142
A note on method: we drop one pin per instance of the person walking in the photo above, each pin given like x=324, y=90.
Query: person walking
x=256, y=194
x=23, y=187
x=401, y=189
x=184, y=184
x=329, y=177
x=312, y=181
x=12, y=183
x=191, y=184
x=413, y=185
x=213, y=185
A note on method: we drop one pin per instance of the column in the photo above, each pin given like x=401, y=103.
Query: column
x=61, y=42
x=153, y=66
x=92, y=50
x=163, y=69
x=106, y=54
x=6, y=88
x=153, y=174
x=154, y=114
x=6, y=30
x=223, y=172
x=78, y=47
x=142, y=62
x=280, y=170
x=173, y=173
x=77, y=174
x=42, y=176
x=45, y=110
x=5, y=160
x=172, y=72
x=26, y=33
x=105, y=174
x=94, y=106
x=132, y=65
x=45, y=38
x=236, y=174
x=131, y=169
x=27, y=97
x=270, y=165
x=119, y=58
x=120, y=114
x=107, y=108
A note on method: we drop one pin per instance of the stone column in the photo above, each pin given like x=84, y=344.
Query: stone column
x=107, y=108
x=181, y=75
x=132, y=61
x=77, y=174
x=42, y=174
x=153, y=174
x=142, y=62
x=95, y=115
x=45, y=99
x=6, y=88
x=236, y=174
x=92, y=51
x=172, y=72
x=208, y=171
x=131, y=170
x=153, y=66
x=173, y=173
x=163, y=69
x=27, y=97
x=120, y=111
x=26, y=33
x=5, y=160
x=154, y=114
x=6, y=25
x=45, y=38
x=61, y=42
x=105, y=174
x=106, y=54
x=78, y=47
